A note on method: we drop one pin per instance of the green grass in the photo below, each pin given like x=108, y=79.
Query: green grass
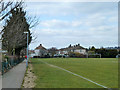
x=101, y=70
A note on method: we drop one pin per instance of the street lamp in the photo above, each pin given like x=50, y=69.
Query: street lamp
x=0, y=58
x=27, y=49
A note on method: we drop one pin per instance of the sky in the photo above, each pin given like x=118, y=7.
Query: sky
x=65, y=23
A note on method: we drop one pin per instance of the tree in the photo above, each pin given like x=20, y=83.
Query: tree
x=7, y=7
x=53, y=51
x=14, y=39
x=107, y=53
x=70, y=46
x=92, y=48
x=76, y=55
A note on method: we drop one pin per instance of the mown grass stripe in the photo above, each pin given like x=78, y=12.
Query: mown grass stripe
x=74, y=74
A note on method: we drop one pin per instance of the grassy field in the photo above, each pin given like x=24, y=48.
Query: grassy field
x=103, y=71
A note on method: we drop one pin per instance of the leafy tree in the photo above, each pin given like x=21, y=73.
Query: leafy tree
x=76, y=55
x=107, y=53
x=92, y=48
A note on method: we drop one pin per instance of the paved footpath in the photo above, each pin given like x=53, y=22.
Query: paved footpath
x=0, y=82
x=14, y=77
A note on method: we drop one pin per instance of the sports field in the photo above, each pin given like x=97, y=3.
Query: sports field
x=76, y=72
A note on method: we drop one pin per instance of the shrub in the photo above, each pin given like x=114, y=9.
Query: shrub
x=76, y=55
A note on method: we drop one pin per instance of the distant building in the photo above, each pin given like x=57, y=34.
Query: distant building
x=53, y=51
x=112, y=48
x=31, y=53
x=75, y=48
x=40, y=51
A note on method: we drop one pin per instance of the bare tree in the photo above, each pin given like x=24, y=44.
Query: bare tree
x=6, y=7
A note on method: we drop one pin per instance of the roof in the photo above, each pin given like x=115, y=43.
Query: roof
x=78, y=47
x=40, y=47
x=53, y=48
x=63, y=49
x=31, y=51
x=72, y=47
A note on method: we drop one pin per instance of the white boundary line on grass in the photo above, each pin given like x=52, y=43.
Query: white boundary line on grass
x=75, y=74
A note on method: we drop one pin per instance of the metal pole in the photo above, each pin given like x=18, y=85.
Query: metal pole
x=86, y=55
x=100, y=55
x=1, y=59
x=27, y=52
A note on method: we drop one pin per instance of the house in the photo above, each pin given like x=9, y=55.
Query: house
x=75, y=49
x=40, y=51
x=78, y=49
x=63, y=51
x=53, y=51
x=31, y=53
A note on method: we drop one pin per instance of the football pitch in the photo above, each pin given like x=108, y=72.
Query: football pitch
x=76, y=72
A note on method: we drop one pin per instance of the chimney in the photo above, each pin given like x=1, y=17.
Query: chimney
x=40, y=44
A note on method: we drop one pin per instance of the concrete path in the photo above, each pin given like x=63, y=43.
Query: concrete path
x=0, y=82
x=14, y=77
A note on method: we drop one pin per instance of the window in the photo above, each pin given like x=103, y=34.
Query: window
x=80, y=50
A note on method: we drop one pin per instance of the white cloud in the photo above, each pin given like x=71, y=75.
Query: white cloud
x=84, y=23
x=1, y=27
x=69, y=8
x=101, y=31
x=59, y=24
x=113, y=19
x=61, y=38
x=72, y=1
x=95, y=20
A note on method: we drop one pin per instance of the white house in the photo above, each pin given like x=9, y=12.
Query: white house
x=75, y=48
x=40, y=51
x=31, y=53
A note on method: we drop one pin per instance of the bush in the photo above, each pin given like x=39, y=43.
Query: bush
x=76, y=55
x=36, y=57
x=47, y=56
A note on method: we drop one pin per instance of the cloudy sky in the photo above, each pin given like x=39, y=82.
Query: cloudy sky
x=64, y=23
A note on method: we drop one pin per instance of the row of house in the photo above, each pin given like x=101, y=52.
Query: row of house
x=41, y=51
